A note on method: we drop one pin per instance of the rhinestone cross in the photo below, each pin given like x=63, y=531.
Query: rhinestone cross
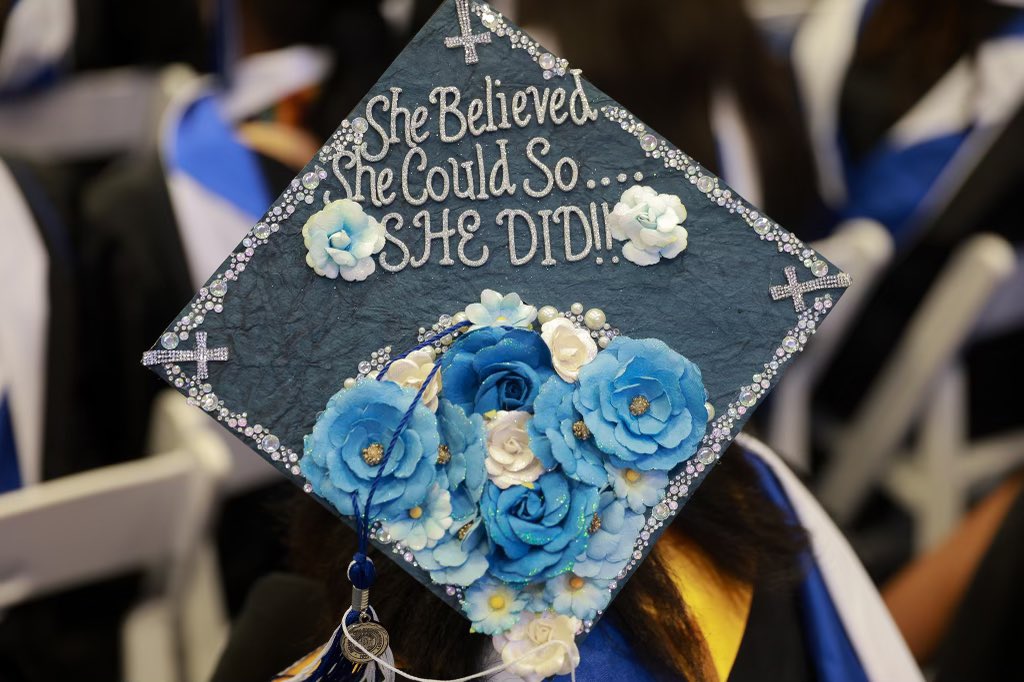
x=200, y=355
x=468, y=40
x=795, y=289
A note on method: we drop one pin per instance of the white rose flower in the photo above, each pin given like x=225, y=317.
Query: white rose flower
x=570, y=346
x=650, y=223
x=510, y=461
x=341, y=239
x=412, y=370
x=560, y=657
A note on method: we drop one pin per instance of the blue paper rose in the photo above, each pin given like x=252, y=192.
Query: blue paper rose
x=537, y=532
x=612, y=536
x=461, y=458
x=558, y=435
x=460, y=558
x=496, y=368
x=643, y=403
x=346, y=448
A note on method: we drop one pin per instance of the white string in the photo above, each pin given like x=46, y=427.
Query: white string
x=490, y=671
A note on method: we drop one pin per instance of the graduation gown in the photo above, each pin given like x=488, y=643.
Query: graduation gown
x=832, y=627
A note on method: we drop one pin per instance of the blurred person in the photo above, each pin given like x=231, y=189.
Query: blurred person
x=903, y=99
x=916, y=111
x=731, y=103
x=132, y=259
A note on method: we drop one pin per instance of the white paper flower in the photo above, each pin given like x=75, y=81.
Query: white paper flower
x=559, y=657
x=510, y=461
x=650, y=223
x=496, y=310
x=570, y=346
x=412, y=370
x=341, y=239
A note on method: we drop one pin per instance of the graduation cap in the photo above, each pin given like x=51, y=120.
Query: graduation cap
x=503, y=329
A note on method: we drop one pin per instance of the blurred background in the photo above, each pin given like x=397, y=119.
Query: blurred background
x=888, y=132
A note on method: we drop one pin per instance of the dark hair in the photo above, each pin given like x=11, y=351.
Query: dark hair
x=742, y=533
x=699, y=46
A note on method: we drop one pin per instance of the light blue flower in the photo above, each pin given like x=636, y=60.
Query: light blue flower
x=425, y=524
x=535, y=599
x=342, y=239
x=343, y=453
x=463, y=475
x=611, y=542
x=573, y=595
x=497, y=310
x=492, y=606
x=644, y=404
x=495, y=368
x=640, y=490
x=460, y=558
x=537, y=532
x=559, y=436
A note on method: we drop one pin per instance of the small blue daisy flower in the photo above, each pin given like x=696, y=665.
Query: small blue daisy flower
x=640, y=489
x=573, y=595
x=492, y=606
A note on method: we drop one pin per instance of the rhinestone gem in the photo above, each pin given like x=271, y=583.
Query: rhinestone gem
x=489, y=20
x=169, y=341
x=218, y=288
x=762, y=225
x=546, y=61
x=365, y=367
x=270, y=443
x=819, y=268
x=790, y=344
x=209, y=402
x=705, y=456
x=360, y=125
x=661, y=511
x=705, y=183
x=747, y=397
x=310, y=180
x=648, y=142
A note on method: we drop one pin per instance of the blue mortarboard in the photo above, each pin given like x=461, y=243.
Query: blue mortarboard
x=500, y=326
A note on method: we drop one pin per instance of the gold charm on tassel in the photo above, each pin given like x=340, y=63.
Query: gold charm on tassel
x=371, y=635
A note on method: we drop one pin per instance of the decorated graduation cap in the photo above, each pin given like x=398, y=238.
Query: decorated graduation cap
x=502, y=329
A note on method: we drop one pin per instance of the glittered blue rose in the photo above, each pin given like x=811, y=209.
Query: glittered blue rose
x=613, y=535
x=496, y=368
x=644, y=404
x=461, y=458
x=558, y=435
x=346, y=449
x=537, y=532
